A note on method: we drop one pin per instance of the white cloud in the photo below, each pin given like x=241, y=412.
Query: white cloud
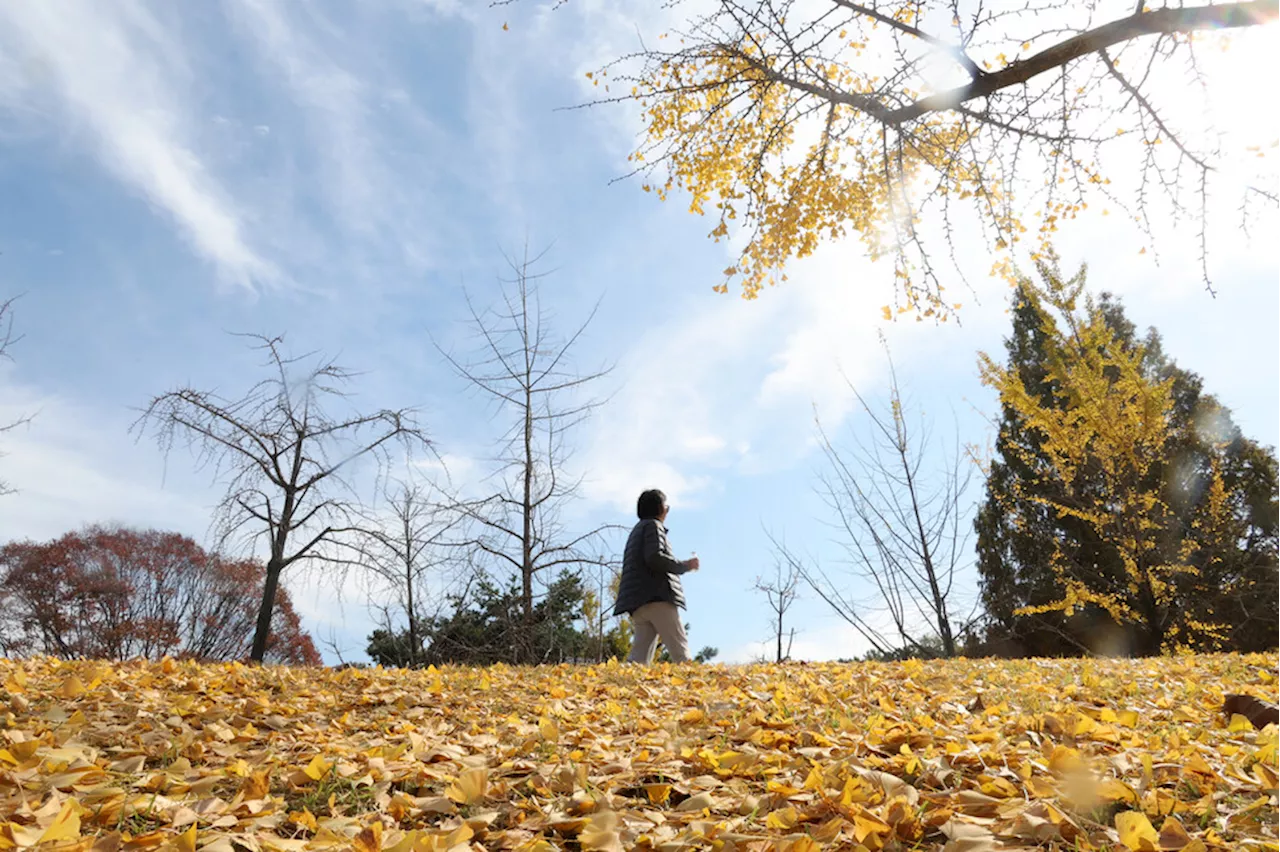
x=727, y=387
x=335, y=101
x=72, y=466
x=110, y=68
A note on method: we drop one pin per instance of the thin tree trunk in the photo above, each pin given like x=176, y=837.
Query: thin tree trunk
x=527, y=539
x=408, y=585
x=939, y=604
x=779, y=654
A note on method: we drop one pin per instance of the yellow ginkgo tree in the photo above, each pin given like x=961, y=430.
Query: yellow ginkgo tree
x=1101, y=441
x=927, y=128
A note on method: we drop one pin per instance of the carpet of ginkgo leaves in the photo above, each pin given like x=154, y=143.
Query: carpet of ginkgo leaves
x=958, y=755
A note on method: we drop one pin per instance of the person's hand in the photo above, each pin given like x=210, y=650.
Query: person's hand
x=693, y=563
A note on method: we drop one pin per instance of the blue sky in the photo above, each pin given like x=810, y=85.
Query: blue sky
x=341, y=172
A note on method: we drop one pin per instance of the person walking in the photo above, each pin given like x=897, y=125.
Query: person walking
x=650, y=590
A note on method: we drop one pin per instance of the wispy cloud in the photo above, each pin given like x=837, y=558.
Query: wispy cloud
x=375, y=150
x=72, y=465
x=110, y=69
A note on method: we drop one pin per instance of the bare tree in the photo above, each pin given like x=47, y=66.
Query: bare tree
x=7, y=339
x=283, y=457
x=903, y=527
x=805, y=122
x=780, y=592
x=406, y=551
x=526, y=370
x=596, y=611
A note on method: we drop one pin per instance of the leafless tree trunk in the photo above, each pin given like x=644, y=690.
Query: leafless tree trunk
x=283, y=458
x=525, y=369
x=7, y=339
x=781, y=593
x=902, y=525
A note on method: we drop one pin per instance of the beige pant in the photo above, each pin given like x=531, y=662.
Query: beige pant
x=651, y=621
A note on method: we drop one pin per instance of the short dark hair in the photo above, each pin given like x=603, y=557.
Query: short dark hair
x=650, y=504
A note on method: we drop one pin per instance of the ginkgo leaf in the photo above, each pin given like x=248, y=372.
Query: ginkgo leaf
x=256, y=784
x=318, y=768
x=1239, y=724
x=65, y=826
x=1136, y=831
x=693, y=716
x=657, y=793
x=1173, y=835
x=16, y=681
x=701, y=801
x=72, y=687
x=186, y=841
x=470, y=787
x=368, y=839
x=549, y=729
x=601, y=833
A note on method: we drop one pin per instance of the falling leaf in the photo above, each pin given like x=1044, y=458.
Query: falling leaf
x=16, y=681
x=657, y=793
x=1173, y=835
x=306, y=819
x=693, y=717
x=256, y=785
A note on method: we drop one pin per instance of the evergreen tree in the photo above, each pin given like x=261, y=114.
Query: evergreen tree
x=1212, y=495
x=489, y=625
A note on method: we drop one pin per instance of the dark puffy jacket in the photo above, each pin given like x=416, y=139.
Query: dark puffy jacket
x=649, y=571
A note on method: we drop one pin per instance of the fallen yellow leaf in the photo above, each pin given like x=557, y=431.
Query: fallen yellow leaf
x=1136, y=831
x=186, y=841
x=318, y=768
x=65, y=826
x=470, y=787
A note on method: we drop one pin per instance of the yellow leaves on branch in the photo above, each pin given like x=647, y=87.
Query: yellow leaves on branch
x=1065, y=754
x=731, y=136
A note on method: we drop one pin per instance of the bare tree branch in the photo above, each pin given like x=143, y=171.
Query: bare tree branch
x=282, y=456
x=781, y=593
x=901, y=527
x=7, y=339
x=524, y=367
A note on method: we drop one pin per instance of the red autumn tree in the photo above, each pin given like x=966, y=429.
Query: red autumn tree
x=117, y=593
